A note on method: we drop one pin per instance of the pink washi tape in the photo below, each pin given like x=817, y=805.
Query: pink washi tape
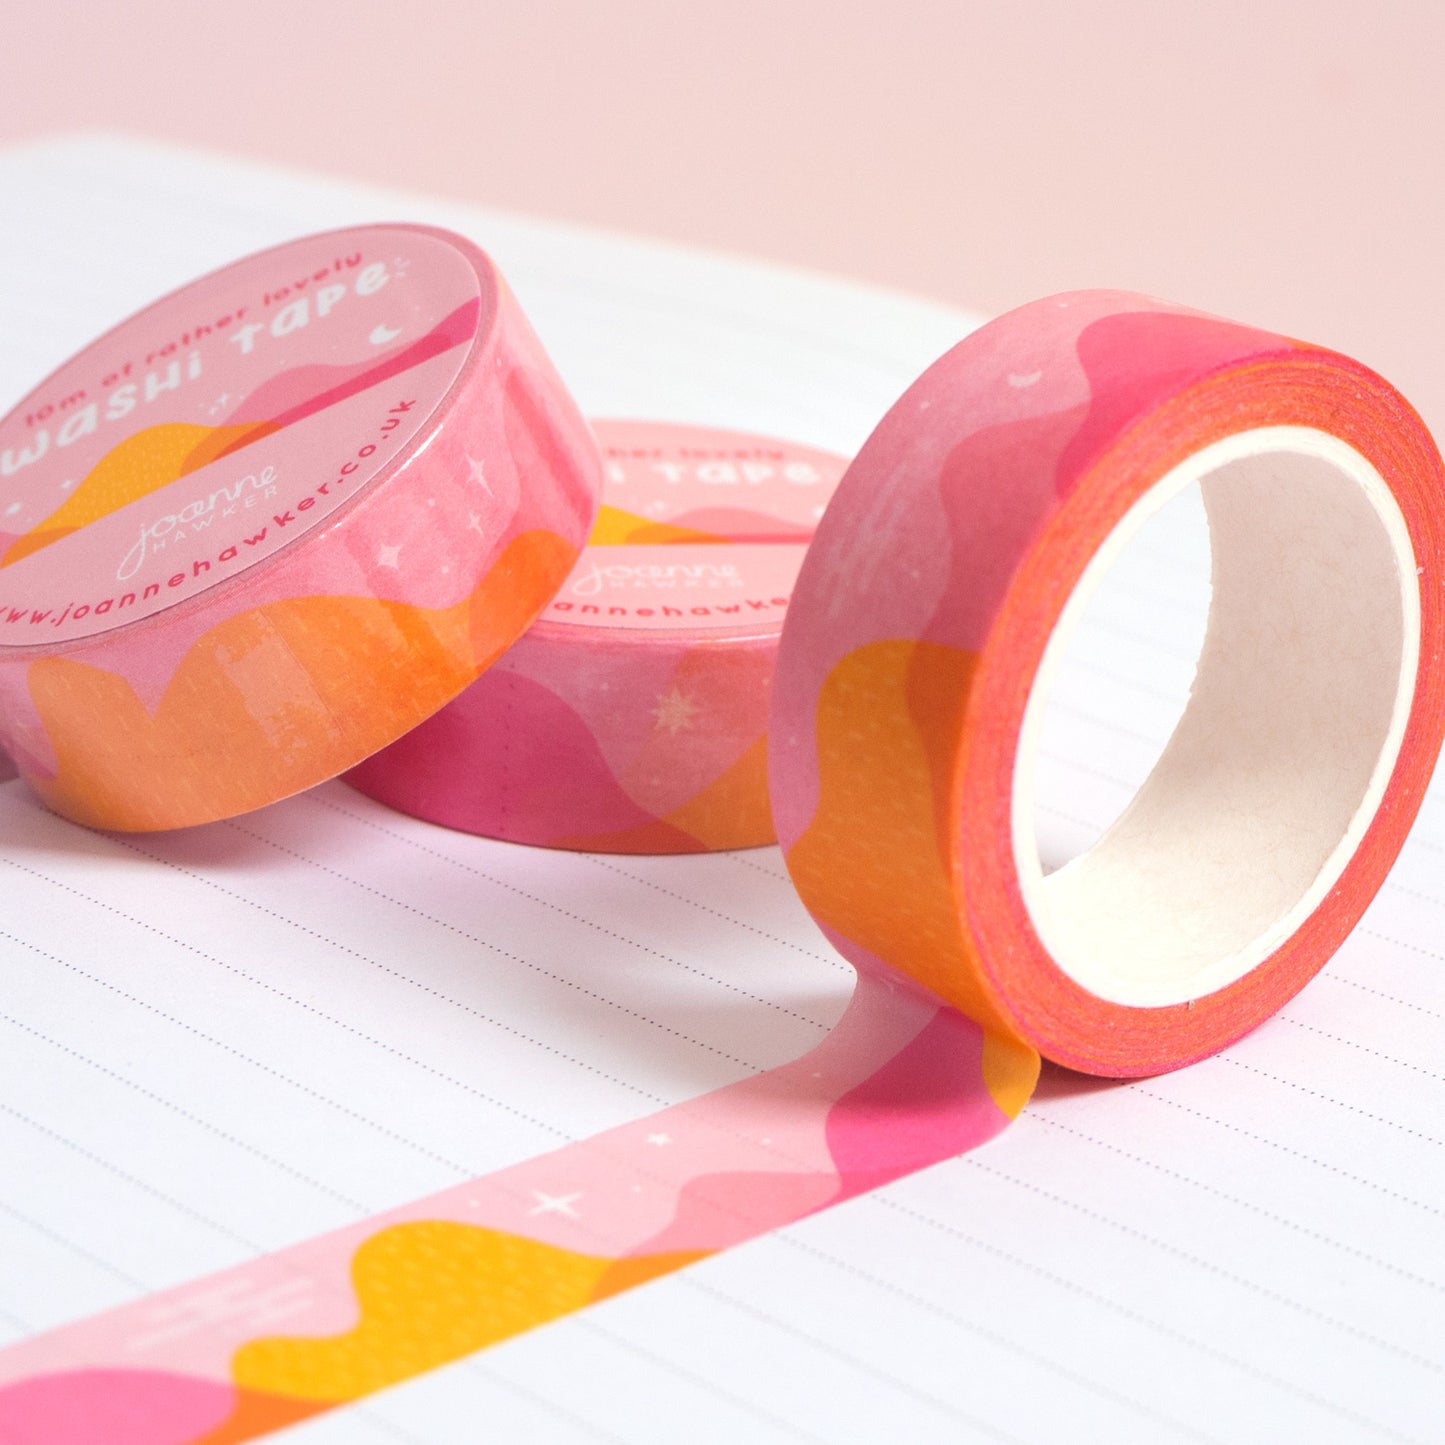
x=273, y=521
x=632, y=718
x=963, y=546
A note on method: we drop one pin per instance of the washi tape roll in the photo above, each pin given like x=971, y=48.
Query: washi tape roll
x=934, y=603
x=939, y=593
x=273, y=521
x=633, y=717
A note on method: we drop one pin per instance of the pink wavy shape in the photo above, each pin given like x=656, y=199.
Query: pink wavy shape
x=294, y=395
x=112, y=1407
x=741, y=524
x=1136, y=360
x=549, y=776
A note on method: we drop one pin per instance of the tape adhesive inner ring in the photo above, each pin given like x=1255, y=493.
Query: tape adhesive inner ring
x=1283, y=753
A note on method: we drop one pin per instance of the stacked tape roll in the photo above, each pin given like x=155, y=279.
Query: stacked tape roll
x=938, y=596
x=632, y=718
x=273, y=521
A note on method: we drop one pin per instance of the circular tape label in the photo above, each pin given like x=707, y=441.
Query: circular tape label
x=699, y=529
x=221, y=424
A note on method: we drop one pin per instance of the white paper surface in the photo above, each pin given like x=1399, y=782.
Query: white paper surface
x=219, y=1042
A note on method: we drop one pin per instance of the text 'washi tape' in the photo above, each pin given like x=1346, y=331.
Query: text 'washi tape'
x=273, y=521
x=632, y=717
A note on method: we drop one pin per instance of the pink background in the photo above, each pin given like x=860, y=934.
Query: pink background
x=1278, y=162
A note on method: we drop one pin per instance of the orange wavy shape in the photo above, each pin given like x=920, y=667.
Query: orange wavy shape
x=626, y=1274
x=224, y=440
x=143, y=463
x=732, y=810
x=256, y=1414
x=430, y=1292
x=889, y=724
x=615, y=527
x=276, y=699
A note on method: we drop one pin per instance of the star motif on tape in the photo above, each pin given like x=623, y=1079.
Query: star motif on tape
x=675, y=711
x=554, y=1204
x=388, y=557
x=477, y=473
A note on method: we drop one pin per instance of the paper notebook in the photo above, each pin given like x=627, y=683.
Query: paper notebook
x=217, y=1043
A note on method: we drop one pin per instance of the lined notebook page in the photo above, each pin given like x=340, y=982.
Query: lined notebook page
x=220, y=1042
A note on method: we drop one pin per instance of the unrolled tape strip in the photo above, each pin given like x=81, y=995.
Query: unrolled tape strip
x=633, y=716
x=917, y=648
x=273, y=521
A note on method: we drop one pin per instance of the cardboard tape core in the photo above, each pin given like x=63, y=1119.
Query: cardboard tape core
x=1282, y=756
